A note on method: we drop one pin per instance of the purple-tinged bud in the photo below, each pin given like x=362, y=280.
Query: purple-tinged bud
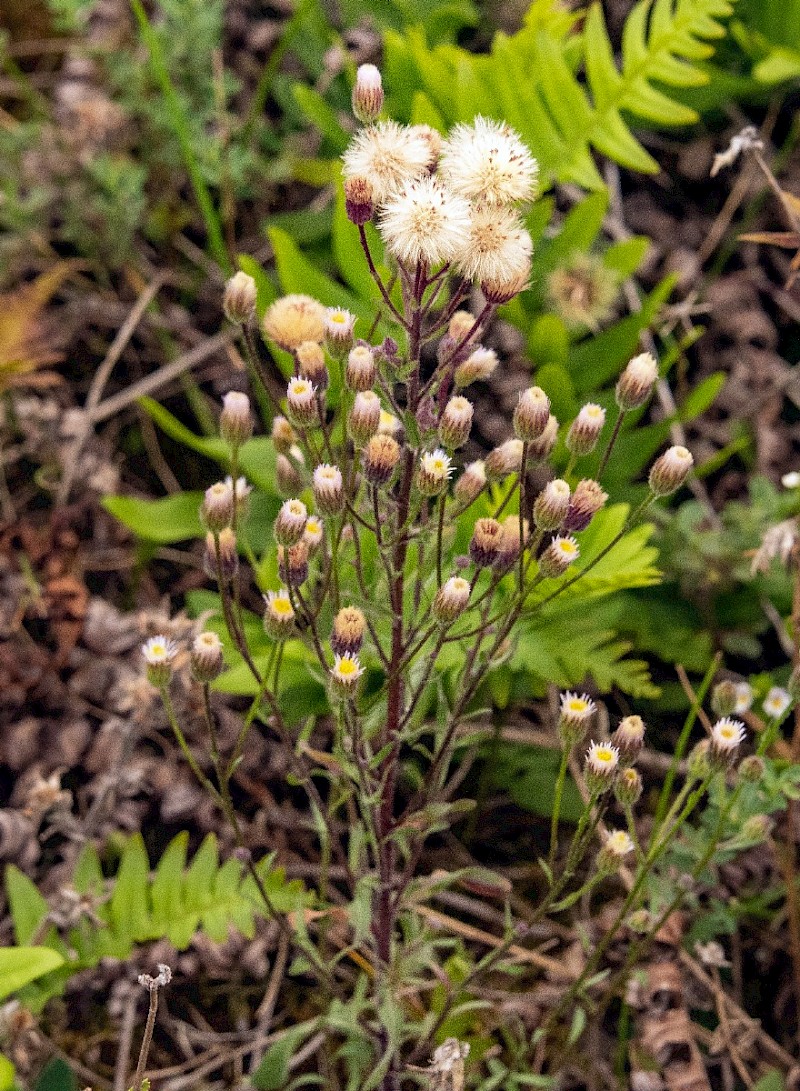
x=361, y=370
x=347, y=634
x=513, y=535
x=311, y=362
x=539, y=450
x=206, y=659
x=239, y=299
x=328, y=489
x=479, y=366
x=367, y=94
x=470, y=484
x=379, y=459
x=551, y=505
x=293, y=563
x=502, y=289
x=486, y=544
x=358, y=200
x=629, y=738
x=216, y=511
x=531, y=414
x=635, y=384
x=451, y=600
x=456, y=422
x=670, y=471
x=587, y=499
x=236, y=421
x=364, y=418
x=221, y=560
x=291, y=522
x=584, y=432
x=288, y=476
x=283, y=435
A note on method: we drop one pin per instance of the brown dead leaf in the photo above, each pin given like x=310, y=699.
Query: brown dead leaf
x=27, y=339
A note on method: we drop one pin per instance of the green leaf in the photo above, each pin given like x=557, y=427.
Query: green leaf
x=28, y=907
x=21, y=965
x=166, y=520
x=7, y=1080
x=129, y=911
x=273, y=1072
x=770, y=1081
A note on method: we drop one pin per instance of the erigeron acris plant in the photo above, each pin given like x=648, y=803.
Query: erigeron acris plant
x=393, y=556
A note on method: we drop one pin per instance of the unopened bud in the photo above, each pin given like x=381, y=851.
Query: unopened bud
x=586, y=501
x=629, y=738
x=539, y=450
x=239, y=299
x=698, y=763
x=752, y=768
x=724, y=697
x=515, y=533
x=311, y=362
x=486, y=544
x=617, y=846
x=283, y=435
x=379, y=459
x=288, y=476
x=502, y=289
x=584, y=432
x=670, y=471
x=364, y=418
x=551, y=505
x=347, y=634
x=206, y=660
x=504, y=460
x=635, y=384
x=358, y=200
x=217, y=508
x=367, y=94
x=361, y=370
x=479, y=366
x=221, y=561
x=757, y=828
x=469, y=485
x=291, y=522
x=531, y=414
x=236, y=421
x=456, y=422
x=628, y=786
x=451, y=599
x=293, y=563
x=328, y=489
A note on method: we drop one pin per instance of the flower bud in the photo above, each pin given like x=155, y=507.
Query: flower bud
x=777, y=703
x=635, y=384
x=504, y=460
x=456, y=422
x=217, y=508
x=159, y=653
x=479, y=366
x=311, y=362
x=698, y=764
x=293, y=563
x=367, y=94
x=206, y=660
x=221, y=560
x=339, y=325
x=347, y=635
x=752, y=768
x=577, y=712
x=288, y=476
x=283, y=435
x=241, y=495
x=291, y=522
x=744, y=698
x=381, y=455
x=358, y=200
x=433, y=472
x=502, y=289
x=561, y=552
x=629, y=738
x=239, y=299
x=531, y=414
x=461, y=325
x=670, y=470
x=617, y=846
x=470, y=484
x=723, y=697
x=361, y=370
x=539, y=450
x=345, y=674
x=328, y=489
x=584, y=432
x=757, y=828
x=426, y=415
x=313, y=533
x=727, y=736
x=602, y=763
x=586, y=501
x=278, y=615
x=235, y=422
x=364, y=418
x=628, y=786
x=514, y=532
x=551, y=505
x=301, y=403
x=451, y=599
x=486, y=544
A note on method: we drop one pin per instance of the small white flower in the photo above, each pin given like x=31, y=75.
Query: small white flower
x=389, y=155
x=791, y=480
x=602, y=758
x=619, y=844
x=159, y=651
x=425, y=222
x=279, y=605
x=727, y=735
x=312, y=535
x=777, y=702
x=487, y=161
x=437, y=463
x=577, y=707
x=345, y=672
x=744, y=697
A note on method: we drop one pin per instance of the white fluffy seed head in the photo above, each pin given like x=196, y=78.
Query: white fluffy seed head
x=389, y=155
x=487, y=161
x=497, y=248
x=425, y=222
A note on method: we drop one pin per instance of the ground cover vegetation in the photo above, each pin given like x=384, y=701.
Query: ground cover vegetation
x=399, y=545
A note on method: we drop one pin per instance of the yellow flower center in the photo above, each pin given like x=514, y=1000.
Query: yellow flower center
x=577, y=705
x=567, y=547
x=347, y=666
x=282, y=606
x=604, y=755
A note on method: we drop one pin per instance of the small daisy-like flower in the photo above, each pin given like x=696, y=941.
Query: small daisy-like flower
x=531, y=414
x=345, y=673
x=388, y=423
x=635, y=384
x=777, y=702
x=389, y=155
x=291, y=522
x=236, y=420
x=347, y=634
x=602, y=762
x=487, y=161
x=206, y=657
x=577, y=710
x=727, y=735
x=551, y=505
x=670, y=470
x=497, y=247
x=312, y=535
x=301, y=402
x=451, y=599
x=617, y=846
x=159, y=653
x=293, y=319
x=456, y=422
x=585, y=430
x=470, y=485
x=424, y=222
x=434, y=472
x=278, y=615
x=328, y=489
x=744, y=698
x=559, y=555
x=339, y=325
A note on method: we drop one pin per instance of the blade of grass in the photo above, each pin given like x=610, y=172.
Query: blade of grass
x=180, y=126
